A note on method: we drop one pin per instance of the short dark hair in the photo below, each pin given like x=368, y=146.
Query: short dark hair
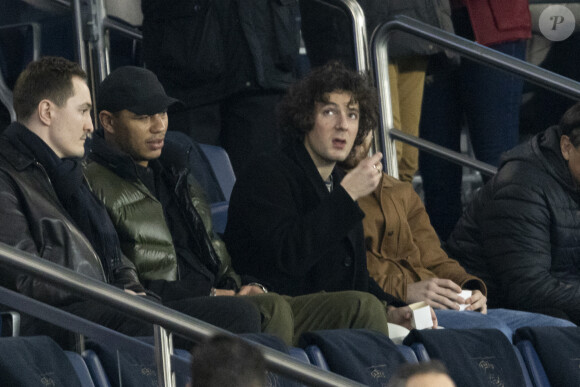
x=296, y=110
x=570, y=124
x=408, y=370
x=49, y=78
x=227, y=361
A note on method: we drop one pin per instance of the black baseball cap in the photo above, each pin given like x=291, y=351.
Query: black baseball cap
x=135, y=89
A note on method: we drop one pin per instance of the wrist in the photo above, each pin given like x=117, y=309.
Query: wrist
x=213, y=292
x=264, y=289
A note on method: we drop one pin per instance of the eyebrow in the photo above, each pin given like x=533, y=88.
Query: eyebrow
x=86, y=105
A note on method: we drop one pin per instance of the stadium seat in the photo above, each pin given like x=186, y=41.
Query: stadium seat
x=556, y=350
x=408, y=353
x=80, y=367
x=363, y=355
x=533, y=364
x=43, y=361
x=473, y=357
x=316, y=357
x=96, y=369
x=222, y=168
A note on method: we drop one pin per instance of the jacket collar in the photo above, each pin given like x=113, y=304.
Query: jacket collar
x=119, y=162
x=297, y=151
x=18, y=159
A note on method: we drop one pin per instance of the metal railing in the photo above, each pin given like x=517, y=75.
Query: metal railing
x=154, y=313
x=467, y=48
x=387, y=134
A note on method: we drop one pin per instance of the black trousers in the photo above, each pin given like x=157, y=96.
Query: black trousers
x=231, y=313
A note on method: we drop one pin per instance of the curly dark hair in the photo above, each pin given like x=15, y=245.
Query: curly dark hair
x=570, y=124
x=296, y=110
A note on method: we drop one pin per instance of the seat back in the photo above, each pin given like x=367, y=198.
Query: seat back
x=408, y=353
x=533, y=364
x=473, y=357
x=222, y=168
x=80, y=368
x=44, y=362
x=316, y=357
x=557, y=350
x=363, y=355
x=96, y=369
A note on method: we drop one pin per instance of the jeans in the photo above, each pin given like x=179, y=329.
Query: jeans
x=489, y=100
x=506, y=320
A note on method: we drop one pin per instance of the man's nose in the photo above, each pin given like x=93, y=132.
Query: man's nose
x=159, y=124
x=89, y=127
x=341, y=121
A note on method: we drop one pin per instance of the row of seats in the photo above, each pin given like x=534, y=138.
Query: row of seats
x=541, y=357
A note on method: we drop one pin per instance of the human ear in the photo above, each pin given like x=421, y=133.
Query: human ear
x=566, y=146
x=45, y=111
x=106, y=119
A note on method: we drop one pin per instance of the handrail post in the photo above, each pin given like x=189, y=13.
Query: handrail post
x=386, y=122
x=163, y=352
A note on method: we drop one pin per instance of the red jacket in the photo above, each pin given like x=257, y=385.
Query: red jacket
x=498, y=21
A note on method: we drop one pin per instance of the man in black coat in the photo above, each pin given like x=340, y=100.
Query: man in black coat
x=293, y=219
x=520, y=233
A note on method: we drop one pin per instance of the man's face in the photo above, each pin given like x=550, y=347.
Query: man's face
x=71, y=124
x=335, y=128
x=140, y=136
x=572, y=155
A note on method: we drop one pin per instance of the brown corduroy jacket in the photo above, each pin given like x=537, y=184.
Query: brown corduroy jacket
x=402, y=246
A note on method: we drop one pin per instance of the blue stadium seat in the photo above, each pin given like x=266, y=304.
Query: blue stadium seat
x=555, y=350
x=219, y=216
x=408, y=353
x=96, y=369
x=222, y=168
x=36, y=361
x=533, y=364
x=299, y=354
x=473, y=357
x=316, y=357
x=420, y=351
x=80, y=368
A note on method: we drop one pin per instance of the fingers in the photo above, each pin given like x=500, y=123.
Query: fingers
x=448, y=284
x=434, y=319
x=477, y=302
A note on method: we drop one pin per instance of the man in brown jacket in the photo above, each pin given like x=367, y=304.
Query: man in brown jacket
x=405, y=258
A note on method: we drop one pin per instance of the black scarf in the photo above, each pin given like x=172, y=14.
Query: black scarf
x=87, y=212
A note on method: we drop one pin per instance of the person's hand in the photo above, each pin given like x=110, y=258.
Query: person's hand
x=403, y=315
x=224, y=292
x=250, y=290
x=364, y=178
x=436, y=292
x=400, y=316
x=477, y=302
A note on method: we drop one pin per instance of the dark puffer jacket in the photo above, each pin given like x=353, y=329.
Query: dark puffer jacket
x=521, y=234
x=138, y=217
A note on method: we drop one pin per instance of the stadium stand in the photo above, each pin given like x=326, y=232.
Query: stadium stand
x=97, y=364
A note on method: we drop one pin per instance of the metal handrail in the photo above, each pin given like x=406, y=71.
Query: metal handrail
x=467, y=48
x=157, y=314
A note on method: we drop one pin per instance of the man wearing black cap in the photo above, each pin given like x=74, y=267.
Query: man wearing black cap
x=164, y=222
x=48, y=210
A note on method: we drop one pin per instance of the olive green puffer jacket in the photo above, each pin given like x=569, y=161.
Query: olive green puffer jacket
x=140, y=221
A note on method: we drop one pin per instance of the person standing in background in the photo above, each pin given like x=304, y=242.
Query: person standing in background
x=229, y=61
x=487, y=98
